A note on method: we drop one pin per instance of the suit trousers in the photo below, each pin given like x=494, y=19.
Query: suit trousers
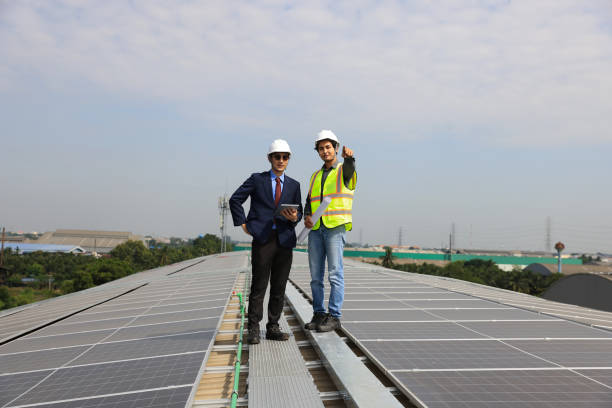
x=270, y=263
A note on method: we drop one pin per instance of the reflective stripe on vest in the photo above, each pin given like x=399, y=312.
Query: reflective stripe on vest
x=339, y=211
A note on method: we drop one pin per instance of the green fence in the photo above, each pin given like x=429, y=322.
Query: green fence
x=498, y=259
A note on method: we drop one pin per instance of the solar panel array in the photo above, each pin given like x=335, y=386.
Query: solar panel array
x=144, y=348
x=14, y=322
x=444, y=348
x=592, y=317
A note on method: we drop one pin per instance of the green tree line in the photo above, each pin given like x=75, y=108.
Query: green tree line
x=31, y=277
x=485, y=272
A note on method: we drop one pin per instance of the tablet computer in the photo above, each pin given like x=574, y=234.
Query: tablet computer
x=282, y=207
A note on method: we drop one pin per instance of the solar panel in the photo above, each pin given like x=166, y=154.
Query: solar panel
x=603, y=376
x=445, y=347
x=569, y=353
x=145, y=347
x=154, y=346
x=38, y=314
x=431, y=355
x=517, y=388
x=174, y=397
x=537, y=329
x=412, y=330
x=11, y=386
x=387, y=315
x=38, y=360
x=112, y=378
x=62, y=340
x=188, y=326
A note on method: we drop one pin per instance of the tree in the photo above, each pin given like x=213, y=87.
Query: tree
x=106, y=270
x=387, y=259
x=208, y=244
x=82, y=280
x=6, y=300
x=135, y=253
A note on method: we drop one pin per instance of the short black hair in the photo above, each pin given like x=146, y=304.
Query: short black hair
x=333, y=142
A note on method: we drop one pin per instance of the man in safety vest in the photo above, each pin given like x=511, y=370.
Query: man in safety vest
x=326, y=240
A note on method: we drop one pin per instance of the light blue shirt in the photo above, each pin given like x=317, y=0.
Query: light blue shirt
x=273, y=179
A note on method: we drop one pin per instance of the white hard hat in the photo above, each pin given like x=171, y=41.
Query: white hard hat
x=326, y=135
x=279, y=146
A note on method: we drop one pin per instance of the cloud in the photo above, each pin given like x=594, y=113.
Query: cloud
x=515, y=73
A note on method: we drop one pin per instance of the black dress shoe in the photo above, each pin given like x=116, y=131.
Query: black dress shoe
x=330, y=323
x=253, y=337
x=275, y=333
x=316, y=321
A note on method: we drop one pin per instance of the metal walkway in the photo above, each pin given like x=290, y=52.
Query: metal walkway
x=278, y=376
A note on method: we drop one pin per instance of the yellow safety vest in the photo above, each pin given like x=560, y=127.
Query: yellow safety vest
x=339, y=211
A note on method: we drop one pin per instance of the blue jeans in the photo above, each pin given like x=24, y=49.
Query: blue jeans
x=327, y=243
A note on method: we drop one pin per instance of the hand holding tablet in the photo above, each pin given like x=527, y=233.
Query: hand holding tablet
x=289, y=211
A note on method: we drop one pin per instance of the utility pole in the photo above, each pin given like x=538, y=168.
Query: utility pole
x=548, y=228
x=450, y=247
x=223, y=210
x=399, y=240
x=2, y=250
x=361, y=237
x=3, y=273
x=471, y=246
x=453, y=234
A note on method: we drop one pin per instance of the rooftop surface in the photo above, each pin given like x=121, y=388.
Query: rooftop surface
x=145, y=340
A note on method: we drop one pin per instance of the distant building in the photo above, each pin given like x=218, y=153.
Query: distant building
x=14, y=238
x=91, y=241
x=24, y=248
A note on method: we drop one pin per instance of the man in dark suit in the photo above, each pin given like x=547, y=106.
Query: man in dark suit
x=273, y=235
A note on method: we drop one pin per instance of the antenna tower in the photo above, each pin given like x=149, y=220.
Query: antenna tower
x=223, y=210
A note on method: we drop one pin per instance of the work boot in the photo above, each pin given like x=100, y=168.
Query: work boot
x=275, y=333
x=317, y=319
x=253, y=337
x=330, y=323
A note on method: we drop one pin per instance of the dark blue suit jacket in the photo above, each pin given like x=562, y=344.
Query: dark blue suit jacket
x=261, y=214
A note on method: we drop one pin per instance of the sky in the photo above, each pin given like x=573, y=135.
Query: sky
x=136, y=116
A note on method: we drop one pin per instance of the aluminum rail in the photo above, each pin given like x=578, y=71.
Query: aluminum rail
x=238, y=355
x=361, y=386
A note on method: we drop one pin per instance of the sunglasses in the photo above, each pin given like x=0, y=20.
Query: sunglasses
x=284, y=157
